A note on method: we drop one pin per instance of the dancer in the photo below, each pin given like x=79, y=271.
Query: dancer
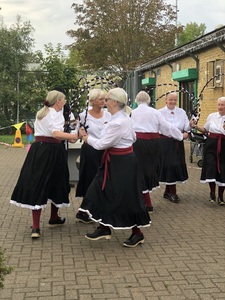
x=147, y=123
x=44, y=176
x=114, y=198
x=172, y=165
x=95, y=119
x=213, y=169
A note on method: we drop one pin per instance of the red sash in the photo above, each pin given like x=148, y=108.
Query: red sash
x=47, y=139
x=147, y=135
x=219, y=137
x=106, y=159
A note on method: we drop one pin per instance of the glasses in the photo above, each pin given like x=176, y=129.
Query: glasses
x=106, y=99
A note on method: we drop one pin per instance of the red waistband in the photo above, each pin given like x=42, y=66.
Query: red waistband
x=217, y=135
x=47, y=139
x=147, y=135
x=106, y=159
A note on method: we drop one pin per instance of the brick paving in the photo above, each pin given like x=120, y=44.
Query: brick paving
x=183, y=256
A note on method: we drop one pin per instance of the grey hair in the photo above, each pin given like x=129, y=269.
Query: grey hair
x=51, y=99
x=119, y=95
x=142, y=97
x=221, y=99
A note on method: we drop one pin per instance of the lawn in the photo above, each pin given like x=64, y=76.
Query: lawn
x=9, y=139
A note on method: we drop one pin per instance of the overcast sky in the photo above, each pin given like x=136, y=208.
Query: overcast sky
x=52, y=18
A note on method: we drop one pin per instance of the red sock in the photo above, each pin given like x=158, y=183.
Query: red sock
x=54, y=212
x=221, y=190
x=147, y=200
x=103, y=226
x=173, y=189
x=167, y=189
x=212, y=186
x=36, y=215
x=136, y=230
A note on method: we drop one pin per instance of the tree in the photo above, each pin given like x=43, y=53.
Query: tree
x=190, y=32
x=15, y=52
x=118, y=35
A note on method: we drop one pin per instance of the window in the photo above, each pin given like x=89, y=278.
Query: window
x=215, y=74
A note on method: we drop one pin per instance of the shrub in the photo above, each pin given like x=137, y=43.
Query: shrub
x=4, y=270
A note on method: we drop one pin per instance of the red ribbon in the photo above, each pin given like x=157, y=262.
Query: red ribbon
x=106, y=159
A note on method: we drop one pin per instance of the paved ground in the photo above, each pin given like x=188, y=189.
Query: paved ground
x=183, y=256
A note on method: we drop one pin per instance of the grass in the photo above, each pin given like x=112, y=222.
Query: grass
x=9, y=139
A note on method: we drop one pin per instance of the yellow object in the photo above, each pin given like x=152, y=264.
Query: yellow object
x=18, y=140
x=18, y=125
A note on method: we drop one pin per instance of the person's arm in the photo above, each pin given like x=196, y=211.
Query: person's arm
x=60, y=135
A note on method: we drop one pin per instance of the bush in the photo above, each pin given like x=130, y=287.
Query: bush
x=4, y=270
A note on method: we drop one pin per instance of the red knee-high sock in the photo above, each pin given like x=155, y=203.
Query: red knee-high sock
x=54, y=212
x=36, y=215
x=220, y=192
x=103, y=226
x=212, y=186
x=173, y=189
x=136, y=230
x=147, y=200
x=167, y=189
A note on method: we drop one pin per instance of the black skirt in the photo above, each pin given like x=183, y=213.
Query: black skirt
x=44, y=177
x=120, y=204
x=210, y=171
x=147, y=152
x=172, y=165
x=90, y=161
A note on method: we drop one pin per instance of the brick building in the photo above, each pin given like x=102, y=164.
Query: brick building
x=195, y=70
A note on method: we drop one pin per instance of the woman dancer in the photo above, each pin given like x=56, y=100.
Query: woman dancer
x=172, y=165
x=90, y=159
x=114, y=198
x=44, y=176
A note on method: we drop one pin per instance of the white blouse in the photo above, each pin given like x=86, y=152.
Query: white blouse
x=214, y=123
x=176, y=117
x=53, y=121
x=95, y=126
x=118, y=133
x=149, y=120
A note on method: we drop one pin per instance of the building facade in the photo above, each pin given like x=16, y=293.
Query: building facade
x=195, y=71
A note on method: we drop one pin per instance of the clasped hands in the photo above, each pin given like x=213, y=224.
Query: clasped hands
x=83, y=134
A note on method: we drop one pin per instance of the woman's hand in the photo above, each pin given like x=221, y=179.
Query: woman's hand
x=193, y=123
x=82, y=132
x=185, y=135
x=85, y=137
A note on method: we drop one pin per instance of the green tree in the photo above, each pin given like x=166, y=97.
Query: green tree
x=119, y=35
x=190, y=32
x=16, y=43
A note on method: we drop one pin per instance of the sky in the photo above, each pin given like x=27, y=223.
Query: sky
x=52, y=18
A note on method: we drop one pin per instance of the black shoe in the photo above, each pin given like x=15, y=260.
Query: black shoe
x=83, y=217
x=149, y=209
x=58, y=222
x=35, y=233
x=134, y=240
x=166, y=196
x=99, y=233
x=174, y=198
x=212, y=198
x=221, y=201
